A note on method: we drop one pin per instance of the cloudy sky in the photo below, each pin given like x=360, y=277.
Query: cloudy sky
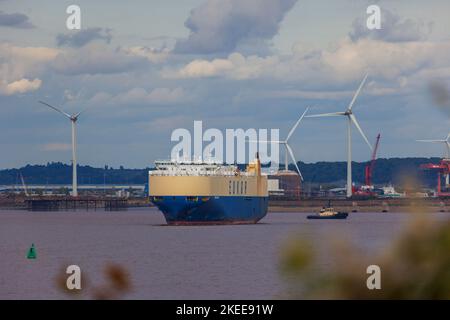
x=144, y=68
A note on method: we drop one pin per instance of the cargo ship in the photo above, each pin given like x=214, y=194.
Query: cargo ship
x=198, y=192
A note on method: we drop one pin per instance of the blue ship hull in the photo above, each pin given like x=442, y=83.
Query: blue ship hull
x=181, y=210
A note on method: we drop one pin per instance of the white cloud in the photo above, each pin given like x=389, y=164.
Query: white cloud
x=392, y=66
x=168, y=95
x=394, y=29
x=83, y=37
x=158, y=96
x=19, y=64
x=96, y=59
x=348, y=61
x=154, y=55
x=202, y=68
x=163, y=124
x=323, y=95
x=384, y=59
x=372, y=88
x=236, y=66
x=28, y=53
x=20, y=86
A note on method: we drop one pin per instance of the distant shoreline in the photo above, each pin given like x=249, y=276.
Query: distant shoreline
x=363, y=205
x=321, y=173
x=303, y=205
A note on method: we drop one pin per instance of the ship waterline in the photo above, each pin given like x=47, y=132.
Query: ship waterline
x=180, y=210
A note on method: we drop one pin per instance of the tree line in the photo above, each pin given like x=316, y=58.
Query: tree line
x=386, y=171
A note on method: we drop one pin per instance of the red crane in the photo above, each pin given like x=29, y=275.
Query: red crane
x=371, y=165
x=367, y=189
x=443, y=169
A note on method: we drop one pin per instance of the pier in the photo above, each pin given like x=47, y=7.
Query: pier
x=76, y=203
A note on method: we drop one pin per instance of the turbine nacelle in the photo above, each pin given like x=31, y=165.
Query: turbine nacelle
x=351, y=120
x=71, y=117
x=445, y=141
x=349, y=113
x=286, y=144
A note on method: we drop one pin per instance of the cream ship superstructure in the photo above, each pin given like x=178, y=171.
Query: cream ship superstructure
x=189, y=192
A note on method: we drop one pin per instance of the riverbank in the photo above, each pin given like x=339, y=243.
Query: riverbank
x=365, y=205
x=302, y=205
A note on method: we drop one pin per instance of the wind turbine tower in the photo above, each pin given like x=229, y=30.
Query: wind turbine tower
x=73, y=119
x=351, y=119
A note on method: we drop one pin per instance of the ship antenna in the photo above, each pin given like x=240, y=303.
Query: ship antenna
x=257, y=155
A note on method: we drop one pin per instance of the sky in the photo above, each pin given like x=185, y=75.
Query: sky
x=141, y=69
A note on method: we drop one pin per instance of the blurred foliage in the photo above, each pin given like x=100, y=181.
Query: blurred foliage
x=440, y=95
x=118, y=283
x=415, y=266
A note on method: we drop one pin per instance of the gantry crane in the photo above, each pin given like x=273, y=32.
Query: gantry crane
x=443, y=169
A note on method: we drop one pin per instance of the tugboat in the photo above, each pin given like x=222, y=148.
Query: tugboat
x=329, y=213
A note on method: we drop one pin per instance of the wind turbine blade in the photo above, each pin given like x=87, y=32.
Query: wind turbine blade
x=78, y=114
x=448, y=149
x=296, y=124
x=355, y=122
x=448, y=137
x=333, y=114
x=350, y=106
x=434, y=141
x=56, y=109
x=293, y=159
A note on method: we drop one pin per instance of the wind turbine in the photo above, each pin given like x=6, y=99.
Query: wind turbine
x=446, y=142
x=73, y=119
x=350, y=119
x=286, y=145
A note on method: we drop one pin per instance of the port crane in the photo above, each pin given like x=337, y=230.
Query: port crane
x=371, y=165
x=367, y=189
x=443, y=169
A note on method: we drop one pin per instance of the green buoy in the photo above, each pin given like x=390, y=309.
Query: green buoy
x=32, y=252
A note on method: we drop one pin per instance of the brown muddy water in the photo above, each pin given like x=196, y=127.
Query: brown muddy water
x=165, y=262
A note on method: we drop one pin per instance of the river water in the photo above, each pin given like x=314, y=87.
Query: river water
x=167, y=262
